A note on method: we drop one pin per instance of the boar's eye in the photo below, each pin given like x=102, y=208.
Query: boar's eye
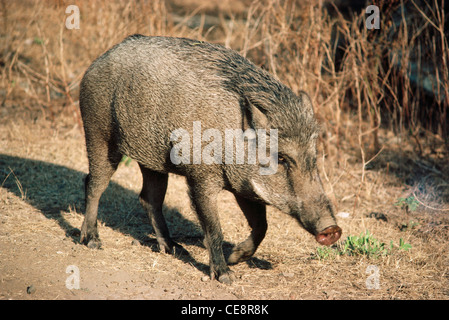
x=282, y=160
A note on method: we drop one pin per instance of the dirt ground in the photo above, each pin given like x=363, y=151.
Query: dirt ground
x=42, y=167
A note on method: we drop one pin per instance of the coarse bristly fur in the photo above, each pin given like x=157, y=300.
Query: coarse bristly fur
x=143, y=89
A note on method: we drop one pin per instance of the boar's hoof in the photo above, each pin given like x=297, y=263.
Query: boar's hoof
x=169, y=246
x=90, y=242
x=242, y=252
x=94, y=244
x=329, y=235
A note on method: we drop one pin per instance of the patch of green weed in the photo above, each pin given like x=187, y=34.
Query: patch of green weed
x=409, y=203
x=364, y=244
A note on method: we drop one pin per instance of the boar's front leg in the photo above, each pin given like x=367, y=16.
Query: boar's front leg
x=256, y=214
x=204, y=201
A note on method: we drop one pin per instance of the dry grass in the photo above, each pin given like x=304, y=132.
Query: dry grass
x=384, y=138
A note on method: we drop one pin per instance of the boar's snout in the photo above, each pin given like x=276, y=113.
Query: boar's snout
x=329, y=235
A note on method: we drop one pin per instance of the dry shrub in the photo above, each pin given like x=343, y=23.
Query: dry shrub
x=44, y=61
x=399, y=71
x=396, y=76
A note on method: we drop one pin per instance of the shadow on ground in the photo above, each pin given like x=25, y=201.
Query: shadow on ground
x=53, y=189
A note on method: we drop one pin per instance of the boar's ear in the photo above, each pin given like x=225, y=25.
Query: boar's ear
x=253, y=116
x=306, y=103
x=260, y=191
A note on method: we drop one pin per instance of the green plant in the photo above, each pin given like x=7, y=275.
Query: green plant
x=126, y=160
x=38, y=40
x=408, y=226
x=324, y=253
x=403, y=246
x=409, y=203
x=364, y=244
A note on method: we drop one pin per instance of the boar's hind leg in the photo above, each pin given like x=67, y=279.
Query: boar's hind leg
x=152, y=198
x=204, y=201
x=103, y=161
x=256, y=215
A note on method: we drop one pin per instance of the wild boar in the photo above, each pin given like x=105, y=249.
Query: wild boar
x=144, y=94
